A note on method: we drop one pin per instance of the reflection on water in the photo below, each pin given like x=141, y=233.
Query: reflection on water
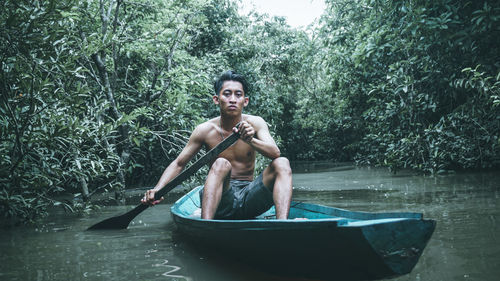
x=464, y=245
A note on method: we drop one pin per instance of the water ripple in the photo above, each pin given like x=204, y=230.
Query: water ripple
x=173, y=268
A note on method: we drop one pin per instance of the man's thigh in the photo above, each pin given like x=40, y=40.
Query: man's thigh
x=258, y=198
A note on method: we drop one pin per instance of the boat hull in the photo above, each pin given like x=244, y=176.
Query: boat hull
x=330, y=243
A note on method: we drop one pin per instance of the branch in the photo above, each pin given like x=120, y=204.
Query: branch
x=90, y=67
x=107, y=86
x=178, y=36
x=105, y=15
x=113, y=45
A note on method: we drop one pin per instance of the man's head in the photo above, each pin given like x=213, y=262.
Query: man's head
x=230, y=93
x=230, y=76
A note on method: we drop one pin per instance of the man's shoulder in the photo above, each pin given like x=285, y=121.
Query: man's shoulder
x=206, y=126
x=254, y=120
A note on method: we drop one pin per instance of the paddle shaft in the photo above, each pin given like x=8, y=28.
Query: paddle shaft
x=122, y=221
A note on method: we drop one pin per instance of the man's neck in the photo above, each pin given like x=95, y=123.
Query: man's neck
x=227, y=123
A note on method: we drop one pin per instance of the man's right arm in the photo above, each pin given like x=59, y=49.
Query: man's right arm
x=193, y=146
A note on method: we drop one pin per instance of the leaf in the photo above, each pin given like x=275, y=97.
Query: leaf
x=136, y=141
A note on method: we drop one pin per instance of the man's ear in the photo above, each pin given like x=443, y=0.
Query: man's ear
x=246, y=102
x=216, y=99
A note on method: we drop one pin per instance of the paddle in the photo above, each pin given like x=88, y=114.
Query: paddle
x=122, y=221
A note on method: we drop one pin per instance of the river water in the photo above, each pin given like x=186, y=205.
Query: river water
x=465, y=245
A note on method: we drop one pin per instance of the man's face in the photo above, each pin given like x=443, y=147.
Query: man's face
x=231, y=98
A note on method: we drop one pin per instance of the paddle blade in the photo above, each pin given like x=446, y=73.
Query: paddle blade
x=119, y=222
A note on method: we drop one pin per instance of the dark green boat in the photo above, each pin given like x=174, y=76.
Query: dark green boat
x=329, y=244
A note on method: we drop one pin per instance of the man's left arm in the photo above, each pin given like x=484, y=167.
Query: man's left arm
x=256, y=133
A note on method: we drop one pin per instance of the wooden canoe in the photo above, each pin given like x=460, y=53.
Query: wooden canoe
x=330, y=243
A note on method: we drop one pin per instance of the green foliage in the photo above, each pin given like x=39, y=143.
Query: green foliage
x=402, y=65
x=51, y=139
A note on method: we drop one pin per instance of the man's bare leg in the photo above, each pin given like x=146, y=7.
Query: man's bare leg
x=278, y=175
x=217, y=180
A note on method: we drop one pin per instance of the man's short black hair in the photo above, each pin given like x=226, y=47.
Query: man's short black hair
x=230, y=76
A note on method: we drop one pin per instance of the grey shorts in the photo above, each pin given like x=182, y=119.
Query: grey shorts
x=243, y=200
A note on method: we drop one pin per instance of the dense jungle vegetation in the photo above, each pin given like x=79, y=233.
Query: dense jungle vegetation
x=99, y=96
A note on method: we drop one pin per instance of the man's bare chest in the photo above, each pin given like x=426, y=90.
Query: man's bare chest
x=239, y=151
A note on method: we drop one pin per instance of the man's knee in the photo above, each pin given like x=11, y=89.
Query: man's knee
x=221, y=165
x=282, y=165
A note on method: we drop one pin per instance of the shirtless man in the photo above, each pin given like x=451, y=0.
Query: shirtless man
x=230, y=191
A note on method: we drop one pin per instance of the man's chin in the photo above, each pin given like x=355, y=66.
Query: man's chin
x=235, y=112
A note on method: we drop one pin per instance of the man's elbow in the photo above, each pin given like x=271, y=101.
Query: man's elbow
x=179, y=164
x=275, y=153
